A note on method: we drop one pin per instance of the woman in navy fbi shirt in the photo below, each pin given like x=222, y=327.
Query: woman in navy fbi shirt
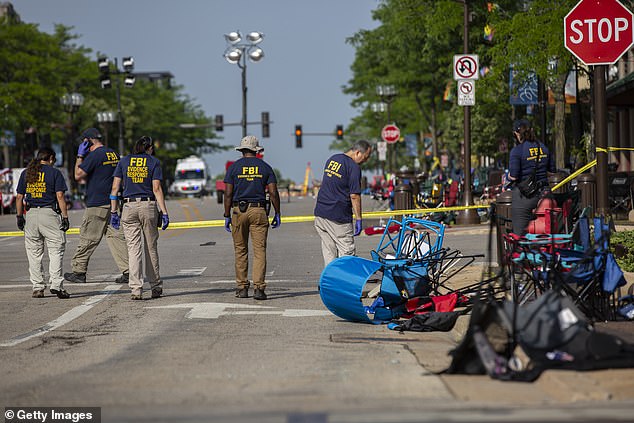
x=141, y=175
x=527, y=154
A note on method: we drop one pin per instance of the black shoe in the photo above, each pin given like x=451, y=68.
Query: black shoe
x=259, y=294
x=157, y=292
x=242, y=292
x=75, y=277
x=61, y=293
x=124, y=278
x=38, y=293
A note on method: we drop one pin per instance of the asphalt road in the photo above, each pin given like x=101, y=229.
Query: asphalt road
x=199, y=354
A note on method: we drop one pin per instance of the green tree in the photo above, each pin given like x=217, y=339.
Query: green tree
x=532, y=41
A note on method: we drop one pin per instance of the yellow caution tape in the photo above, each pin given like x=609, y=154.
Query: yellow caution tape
x=288, y=219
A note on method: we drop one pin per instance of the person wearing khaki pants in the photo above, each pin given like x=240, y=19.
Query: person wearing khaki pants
x=94, y=166
x=141, y=175
x=246, y=183
x=46, y=223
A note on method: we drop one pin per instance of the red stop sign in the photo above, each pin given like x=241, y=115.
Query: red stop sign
x=598, y=32
x=390, y=133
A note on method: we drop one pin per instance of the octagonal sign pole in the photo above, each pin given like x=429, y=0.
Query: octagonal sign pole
x=598, y=32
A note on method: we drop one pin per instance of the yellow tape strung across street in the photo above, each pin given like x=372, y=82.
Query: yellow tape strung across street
x=287, y=219
x=589, y=165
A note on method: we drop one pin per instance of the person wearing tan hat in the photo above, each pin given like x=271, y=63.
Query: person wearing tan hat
x=247, y=181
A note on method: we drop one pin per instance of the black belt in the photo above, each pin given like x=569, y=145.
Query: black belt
x=250, y=203
x=127, y=200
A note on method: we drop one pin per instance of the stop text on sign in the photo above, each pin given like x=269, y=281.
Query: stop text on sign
x=603, y=29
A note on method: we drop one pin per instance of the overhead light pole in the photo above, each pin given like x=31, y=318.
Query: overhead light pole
x=106, y=83
x=236, y=53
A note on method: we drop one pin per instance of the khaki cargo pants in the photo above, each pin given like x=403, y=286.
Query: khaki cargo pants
x=138, y=220
x=93, y=227
x=42, y=228
x=254, y=222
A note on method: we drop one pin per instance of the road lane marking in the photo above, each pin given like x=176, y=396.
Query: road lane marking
x=194, y=271
x=215, y=310
x=268, y=281
x=67, y=317
x=17, y=286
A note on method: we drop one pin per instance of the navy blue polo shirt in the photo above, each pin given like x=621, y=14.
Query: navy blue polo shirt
x=342, y=177
x=137, y=171
x=523, y=159
x=249, y=177
x=42, y=192
x=99, y=165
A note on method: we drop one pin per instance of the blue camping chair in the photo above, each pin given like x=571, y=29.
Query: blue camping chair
x=590, y=277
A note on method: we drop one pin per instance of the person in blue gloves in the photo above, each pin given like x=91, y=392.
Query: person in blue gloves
x=246, y=183
x=94, y=166
x=339, y=196
x=141, y=175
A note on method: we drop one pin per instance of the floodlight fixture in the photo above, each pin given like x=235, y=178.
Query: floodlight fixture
x=106, y=82
x=233, y=37
x=255, y=37
x=256, y=54
x=129, y=80
x=128, y=64
x=104, y=64
x=233, y=55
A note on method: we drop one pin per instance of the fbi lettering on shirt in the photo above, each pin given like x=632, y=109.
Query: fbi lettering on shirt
x=111, y=159
x=250, y=173
x=534, y=152
x=138, y=171
x=38, y=188
x=332, y=169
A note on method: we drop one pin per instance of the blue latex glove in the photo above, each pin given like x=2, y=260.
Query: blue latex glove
x=276, y=221
x=166, y=222
x=228, y=224
x=115, y=220
x=84, y=149
x=357, y=227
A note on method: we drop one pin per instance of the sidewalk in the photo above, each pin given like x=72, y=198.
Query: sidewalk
x=554, y=387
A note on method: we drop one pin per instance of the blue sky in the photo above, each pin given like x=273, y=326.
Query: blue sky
x=306, y=62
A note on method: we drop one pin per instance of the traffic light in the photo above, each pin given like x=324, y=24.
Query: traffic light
x=298, y=136
x=219, y=123
x=265, y=125
x=339, y=132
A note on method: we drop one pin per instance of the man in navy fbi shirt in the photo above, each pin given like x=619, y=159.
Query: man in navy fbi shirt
x=94, y=166
x=247, y=181
x=339, y=196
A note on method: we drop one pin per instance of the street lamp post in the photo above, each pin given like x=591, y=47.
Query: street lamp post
x=236, y=53
x=71, y=103
x=106, y=118
x=387, y=93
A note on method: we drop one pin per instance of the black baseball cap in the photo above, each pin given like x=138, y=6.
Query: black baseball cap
x=90, y=133
x=519, y=123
